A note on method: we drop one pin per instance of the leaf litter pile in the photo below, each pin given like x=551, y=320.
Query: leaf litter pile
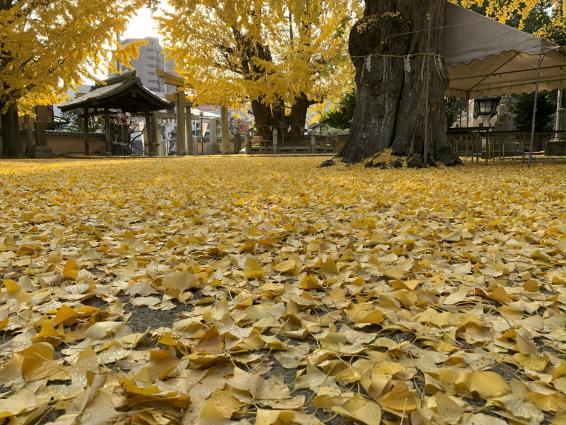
x=270, y=291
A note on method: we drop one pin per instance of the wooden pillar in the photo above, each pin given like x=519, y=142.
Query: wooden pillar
x=40, y=149
x=189, y=130
x=156, y=134
x=107, y=130
x=154, y=146
x=85, y=127
x=225, y=145
x=275, y=140
x=181, y=123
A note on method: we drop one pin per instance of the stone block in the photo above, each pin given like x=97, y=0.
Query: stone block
x=41, y=152
x=555, y=148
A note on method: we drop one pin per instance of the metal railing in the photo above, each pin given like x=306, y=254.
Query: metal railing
x=484, y=144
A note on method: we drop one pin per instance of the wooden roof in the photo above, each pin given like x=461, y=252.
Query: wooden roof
x=124, y=92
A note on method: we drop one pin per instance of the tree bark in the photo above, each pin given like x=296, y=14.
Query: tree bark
x=268, y=116
x=393, y=51
x=12, y=143
x=263, y=117
x=298, y=115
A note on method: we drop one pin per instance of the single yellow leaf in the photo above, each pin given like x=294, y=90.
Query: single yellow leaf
x=309, y=282
x=65, y=315
x=400, y=399
x=210, y=343
x=37, y=361
x=365, y=313
x=533, y=362
x=71, y=269
x=220, y=406
x=130, y=386
x=11, y=286
x=393, y=273
x=287, y=266
x=330, y=267
x=167, y=339
x=360, y=409
x=274, y=417
x=487, y=384
x=253, y=270
x=447, y=408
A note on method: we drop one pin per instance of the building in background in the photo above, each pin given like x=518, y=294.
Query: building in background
x=150, y=60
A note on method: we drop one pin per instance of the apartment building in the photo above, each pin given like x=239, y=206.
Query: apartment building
x=151, y=59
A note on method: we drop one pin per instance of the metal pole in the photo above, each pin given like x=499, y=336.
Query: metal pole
x=533, y=126
x=559, y=122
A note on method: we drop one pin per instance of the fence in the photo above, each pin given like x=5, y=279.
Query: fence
x=486, y=144
x=276, y=141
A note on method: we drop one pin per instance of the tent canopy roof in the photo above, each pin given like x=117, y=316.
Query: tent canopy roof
x=487, y=58
x=124, y=92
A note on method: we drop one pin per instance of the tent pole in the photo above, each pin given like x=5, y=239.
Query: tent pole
x=533, y=125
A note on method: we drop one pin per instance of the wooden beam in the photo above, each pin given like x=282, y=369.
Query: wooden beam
x=174, y=97
x=170, y=79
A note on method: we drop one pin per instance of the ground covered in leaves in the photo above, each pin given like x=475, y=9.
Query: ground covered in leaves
x=233, y=290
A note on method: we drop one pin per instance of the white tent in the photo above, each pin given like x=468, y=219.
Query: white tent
x=487, y=58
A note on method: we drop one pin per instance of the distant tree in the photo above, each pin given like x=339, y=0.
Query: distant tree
x=455, y=106
x=47, y=47
x=281, y=56
x=341, y=116
x=523, y=110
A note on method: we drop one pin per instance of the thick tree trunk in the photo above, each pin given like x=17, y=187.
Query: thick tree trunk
x=12, y=143
x=263, y=118
x=399, y=75
x=268, y=117
x=298, y=115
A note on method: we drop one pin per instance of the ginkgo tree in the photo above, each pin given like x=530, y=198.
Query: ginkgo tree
x=392, y=109
x=47, y=47
x=280, y=56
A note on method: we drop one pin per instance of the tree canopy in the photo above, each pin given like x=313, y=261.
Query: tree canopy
x=264, y=51
x=47, y=47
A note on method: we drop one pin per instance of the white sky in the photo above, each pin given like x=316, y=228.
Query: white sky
x=141, y=26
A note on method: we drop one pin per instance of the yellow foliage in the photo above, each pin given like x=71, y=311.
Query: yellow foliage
x=506, y=11
x=50, y=46
x=235, y=51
